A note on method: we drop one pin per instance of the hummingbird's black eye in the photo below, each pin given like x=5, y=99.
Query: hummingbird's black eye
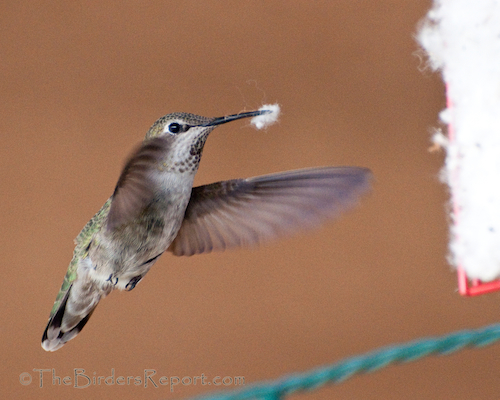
x=174, y=127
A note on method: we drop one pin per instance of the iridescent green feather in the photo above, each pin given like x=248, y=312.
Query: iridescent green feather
x=82, y=242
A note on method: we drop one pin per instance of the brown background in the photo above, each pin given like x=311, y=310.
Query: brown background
x=81, y=82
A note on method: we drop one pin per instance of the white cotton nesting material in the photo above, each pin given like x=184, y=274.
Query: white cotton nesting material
x=264, y=120
x=462, y=38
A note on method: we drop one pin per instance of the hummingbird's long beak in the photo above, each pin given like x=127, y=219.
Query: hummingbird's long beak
x=234, y=117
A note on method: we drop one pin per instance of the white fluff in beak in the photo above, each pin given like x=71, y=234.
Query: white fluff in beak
x=263, y=121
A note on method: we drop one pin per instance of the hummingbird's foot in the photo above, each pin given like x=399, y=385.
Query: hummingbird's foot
x=113, y=280
x=131, y=284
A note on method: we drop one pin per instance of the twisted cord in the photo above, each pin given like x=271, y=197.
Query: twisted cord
x=342, y=370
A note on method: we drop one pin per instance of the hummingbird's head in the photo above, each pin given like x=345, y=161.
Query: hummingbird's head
x=186, y=135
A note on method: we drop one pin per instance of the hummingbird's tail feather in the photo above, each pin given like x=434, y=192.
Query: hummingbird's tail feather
x=72, y=314
x=54, y=337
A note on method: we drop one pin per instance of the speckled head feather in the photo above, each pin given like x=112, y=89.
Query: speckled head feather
x=157, y=129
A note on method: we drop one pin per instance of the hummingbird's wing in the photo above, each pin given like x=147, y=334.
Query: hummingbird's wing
x=135, y=189
x=247, y=211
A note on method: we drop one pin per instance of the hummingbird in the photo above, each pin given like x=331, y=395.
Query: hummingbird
x=155, y=208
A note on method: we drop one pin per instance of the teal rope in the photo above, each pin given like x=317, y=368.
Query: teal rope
x=340, y=371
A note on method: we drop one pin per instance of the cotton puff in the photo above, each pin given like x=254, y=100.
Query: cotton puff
x=463, y=38
x=264, y=120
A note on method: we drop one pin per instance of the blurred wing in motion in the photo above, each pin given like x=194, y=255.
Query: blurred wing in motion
x=248, y=211
x=135, y=188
